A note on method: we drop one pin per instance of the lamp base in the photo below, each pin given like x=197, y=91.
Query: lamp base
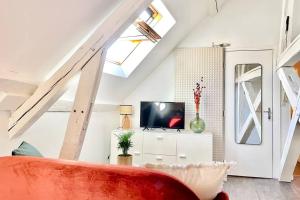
x=126, y=123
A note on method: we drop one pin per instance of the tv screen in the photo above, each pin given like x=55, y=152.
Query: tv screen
x=162, y=115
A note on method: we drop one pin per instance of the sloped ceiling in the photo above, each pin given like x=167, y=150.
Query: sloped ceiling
x=36, y=35
x=187, y=14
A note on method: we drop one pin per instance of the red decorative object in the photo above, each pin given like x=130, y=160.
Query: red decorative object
x=197, y=94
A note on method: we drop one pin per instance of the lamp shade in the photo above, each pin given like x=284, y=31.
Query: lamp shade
x=125, y=109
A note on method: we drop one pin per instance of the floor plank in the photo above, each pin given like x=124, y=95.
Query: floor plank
x=240, y=188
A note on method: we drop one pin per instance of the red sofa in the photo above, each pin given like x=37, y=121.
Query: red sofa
x=31, y=178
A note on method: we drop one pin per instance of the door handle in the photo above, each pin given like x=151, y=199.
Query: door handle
x=268, y=112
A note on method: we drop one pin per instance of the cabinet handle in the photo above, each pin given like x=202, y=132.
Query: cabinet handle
x=159, y=158
x=137, y=153
x=182, y=156
x=159, y=137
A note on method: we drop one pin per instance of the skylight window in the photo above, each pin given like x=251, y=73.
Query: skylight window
x=127, y=52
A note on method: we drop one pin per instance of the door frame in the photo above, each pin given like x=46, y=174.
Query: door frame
x=276, y=112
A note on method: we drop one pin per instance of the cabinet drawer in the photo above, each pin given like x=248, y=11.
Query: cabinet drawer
x=194, y=148
x=159, y=159
x=137, y=157
x=159, y=144
x=137, y=142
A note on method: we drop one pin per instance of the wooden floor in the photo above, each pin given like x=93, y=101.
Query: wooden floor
x=240, y=188
x=297, y=170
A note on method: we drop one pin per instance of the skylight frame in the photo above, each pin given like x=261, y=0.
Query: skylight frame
x=135, y=57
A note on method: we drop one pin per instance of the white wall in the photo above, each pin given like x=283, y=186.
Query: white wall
x=96, y=147
x=158, y=86
x=243, y=23
x=48, y=132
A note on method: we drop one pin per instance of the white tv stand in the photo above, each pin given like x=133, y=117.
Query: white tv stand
x=166, y=146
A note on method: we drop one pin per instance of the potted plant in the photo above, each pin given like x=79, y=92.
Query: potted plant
x=124, y=143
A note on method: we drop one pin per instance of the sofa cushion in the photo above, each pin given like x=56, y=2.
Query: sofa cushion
x=206, y=180
x=26, y=149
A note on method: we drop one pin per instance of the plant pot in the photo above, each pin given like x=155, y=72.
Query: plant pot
x=125, y=160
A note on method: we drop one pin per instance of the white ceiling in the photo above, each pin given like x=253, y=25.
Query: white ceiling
x=36, y=35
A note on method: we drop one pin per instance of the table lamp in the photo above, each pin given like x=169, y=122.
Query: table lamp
x=126, y=110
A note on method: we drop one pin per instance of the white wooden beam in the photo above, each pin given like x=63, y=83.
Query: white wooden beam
x=290, y=83
x=82, y=108
x=249, y=123
x=53, y=88
x=291, y=55
x=282, y=34
x=286, y=36
x=14, y=93
x=67, y=106
x=291, y=148
x=16, y=87
x=289, y=47
x=17, y=77
x=11, y=101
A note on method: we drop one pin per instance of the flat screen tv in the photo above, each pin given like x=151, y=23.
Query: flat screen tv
x=169, y=115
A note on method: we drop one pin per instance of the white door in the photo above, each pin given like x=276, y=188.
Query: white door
x=248, y=112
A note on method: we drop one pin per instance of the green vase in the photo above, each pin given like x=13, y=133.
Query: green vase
x=197, y=125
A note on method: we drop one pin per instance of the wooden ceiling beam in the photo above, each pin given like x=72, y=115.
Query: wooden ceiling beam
x=291, y=149
x=11, y=101
x=16, y=87
x=49, y=92
x=290, y=154
x=82, y=108
x=67, y=106
x=14, y=93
